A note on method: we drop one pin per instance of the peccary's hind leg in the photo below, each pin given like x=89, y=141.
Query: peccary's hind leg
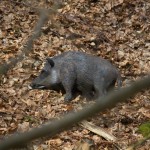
x=100, y=90
x=111, y=86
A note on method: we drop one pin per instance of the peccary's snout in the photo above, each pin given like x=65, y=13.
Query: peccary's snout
x=34, y=85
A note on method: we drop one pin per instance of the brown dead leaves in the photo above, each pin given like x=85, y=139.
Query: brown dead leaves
x=117, y=30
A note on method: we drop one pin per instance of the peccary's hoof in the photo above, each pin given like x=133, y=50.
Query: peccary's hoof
x=68, y=98
x=66, y=101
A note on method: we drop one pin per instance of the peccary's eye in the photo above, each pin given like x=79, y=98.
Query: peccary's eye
x=43, y=71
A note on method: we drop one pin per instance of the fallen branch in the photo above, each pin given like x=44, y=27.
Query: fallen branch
x=98, y=130
x=51, y=129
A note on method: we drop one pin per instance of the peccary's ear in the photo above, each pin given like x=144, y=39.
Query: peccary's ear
x=50, y=61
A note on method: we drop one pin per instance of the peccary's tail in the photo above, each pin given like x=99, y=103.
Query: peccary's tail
x=119, y=80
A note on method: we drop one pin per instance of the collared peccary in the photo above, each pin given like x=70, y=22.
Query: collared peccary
x=75, y=71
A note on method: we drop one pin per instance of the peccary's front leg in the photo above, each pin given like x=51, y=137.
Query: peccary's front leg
x=68, y=81
x=68, y=84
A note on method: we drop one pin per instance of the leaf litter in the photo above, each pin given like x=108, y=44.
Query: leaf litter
x=117, y=30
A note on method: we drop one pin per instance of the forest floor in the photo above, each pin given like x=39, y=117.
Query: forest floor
x=117, y=30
